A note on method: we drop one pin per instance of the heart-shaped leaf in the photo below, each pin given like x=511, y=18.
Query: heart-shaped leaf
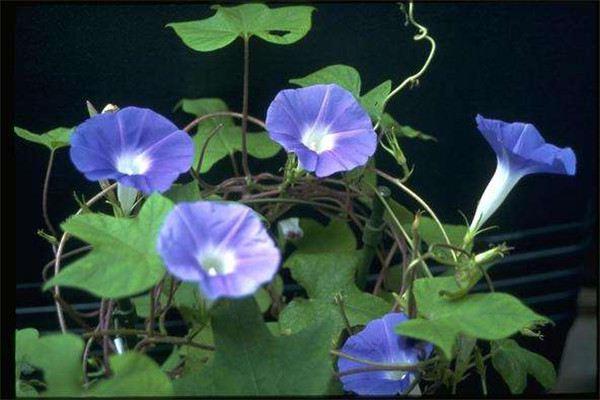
x=124, y=260
x=282, y=25
x=54, y=139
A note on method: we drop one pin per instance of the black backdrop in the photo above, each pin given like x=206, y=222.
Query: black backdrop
x=529, y=62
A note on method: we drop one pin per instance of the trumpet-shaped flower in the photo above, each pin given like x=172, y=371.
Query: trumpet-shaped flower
x=222, y=246
x=135, y=146
x=324, y=126
x=520, y=150
x=378, y=343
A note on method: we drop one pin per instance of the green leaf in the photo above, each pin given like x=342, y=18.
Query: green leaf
x=172, y=361
x=389, y=123
x=282, y=25
x=54, y=139
x=228, y=140
x=373, y=100
x=142, y=305
x=363, y=177
x=514, y=363
x=190, y=304
x=349, y=78
x=263, y=299
x=342, y=75
x=412, y=133
x=25, y=342
x=488, y=316
x=196, y=358
x=316, y=238
x=124, y=260
x=134, y=374
x=203, y=106
x=250, y=361
x=60, y=358
x=324, y=275
x=24, y=389
x=187, y=192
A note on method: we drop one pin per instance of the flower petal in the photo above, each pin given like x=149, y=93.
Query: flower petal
x=522, y=147
x=324, y=126
x=135, y=146
x=378, y=342
x=222, y=246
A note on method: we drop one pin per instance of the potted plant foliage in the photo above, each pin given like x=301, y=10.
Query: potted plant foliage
x=269, y=270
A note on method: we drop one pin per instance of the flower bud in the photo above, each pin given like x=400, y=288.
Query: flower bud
x=289, y=229
x=110, y=108
x=491, y=255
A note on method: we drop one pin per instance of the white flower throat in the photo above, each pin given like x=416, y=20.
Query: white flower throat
x=502, y=182
x=216, y=261
x=318, y=139
x=132, y=164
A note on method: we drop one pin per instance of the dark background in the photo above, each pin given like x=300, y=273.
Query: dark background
x=525, y=62
x=517, y=62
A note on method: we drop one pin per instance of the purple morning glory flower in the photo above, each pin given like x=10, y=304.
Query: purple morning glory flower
x=378, y=342
x=520, y=150
x=135, y=146
x=324, y=126
x=222, y=246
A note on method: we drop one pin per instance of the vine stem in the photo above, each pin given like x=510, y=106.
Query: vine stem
x=419, y=200
x=59, y=251
x=393, y=216
x=181, y=341
x=375, y=366
x=45, y=197
x=420, y=36
x=211, y=135
x=293, y=201
x=245, y=106
x=250, y=118
x=65, y=255
x=86, y=351
x=384, y=268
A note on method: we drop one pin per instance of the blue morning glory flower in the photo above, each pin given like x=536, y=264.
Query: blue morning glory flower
x=134, y=146
x=520, y=150
x=222, y=246
x=378, y=342
x=324, y=126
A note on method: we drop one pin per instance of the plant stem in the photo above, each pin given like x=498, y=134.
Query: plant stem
x=393, y=216
x=245, y=106
x=390, y=367
x=211, y=135
x=180, y=341
x=45, y=197
x=250, y=118
x=114, y=332
x=384, y=267
x=59, y=251
x=419, y=200
x=380, y=366
x=65, y=255
x=420, y=36
x=372, y=235
x=105, y=323
x=294, y=201
x=338, y=298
